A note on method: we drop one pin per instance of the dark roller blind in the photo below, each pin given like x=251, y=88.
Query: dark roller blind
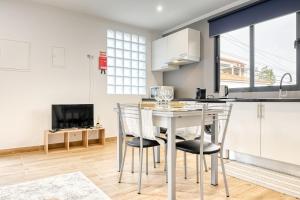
x=252, y=14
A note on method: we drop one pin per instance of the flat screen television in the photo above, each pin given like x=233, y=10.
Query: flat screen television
x=72, y=116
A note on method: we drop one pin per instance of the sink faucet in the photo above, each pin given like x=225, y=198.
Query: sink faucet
x=281, y=94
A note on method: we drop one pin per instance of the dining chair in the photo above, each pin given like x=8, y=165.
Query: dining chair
x=132, y=156
x=185, y=134
x=137, y=122
x=191, y=132
x=200, y=147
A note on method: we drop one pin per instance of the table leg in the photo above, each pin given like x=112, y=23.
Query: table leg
x=157, y=149
x=171, y=159
x=214, y=157
x=119, y=145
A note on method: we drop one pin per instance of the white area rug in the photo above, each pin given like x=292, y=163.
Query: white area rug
x=73, y=186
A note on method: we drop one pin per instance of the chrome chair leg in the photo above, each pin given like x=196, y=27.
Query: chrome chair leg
x=146, y=161
x=166, y=162
x=140, y=171
x=197, y=168
x=154, y=164
x=185, y=168
x=132, y=161
x=224, y=174
x=205, y=165
x=201, y=179
x=123, y=161
x=166, y=147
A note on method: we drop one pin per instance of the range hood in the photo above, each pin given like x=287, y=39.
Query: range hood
x=184, y=60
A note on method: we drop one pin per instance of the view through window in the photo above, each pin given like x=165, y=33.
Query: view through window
x=273, y=55
x=234, y=58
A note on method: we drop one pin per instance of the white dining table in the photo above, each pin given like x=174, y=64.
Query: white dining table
x=173, y=119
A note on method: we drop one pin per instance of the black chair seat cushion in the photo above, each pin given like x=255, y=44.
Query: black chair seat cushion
x=128, y=135
x=197, y=138
x=208, y=129
x=163, y=130
x=135, y=142
x=193, y=146
x=177, y=137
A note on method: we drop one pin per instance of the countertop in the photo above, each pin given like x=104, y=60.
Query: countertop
x=224, y=100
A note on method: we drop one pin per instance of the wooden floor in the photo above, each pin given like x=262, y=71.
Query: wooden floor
x=99, y=165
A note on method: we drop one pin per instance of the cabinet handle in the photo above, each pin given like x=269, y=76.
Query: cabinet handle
x=258, y=111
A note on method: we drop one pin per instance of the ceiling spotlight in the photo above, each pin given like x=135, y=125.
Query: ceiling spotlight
x=159, y=8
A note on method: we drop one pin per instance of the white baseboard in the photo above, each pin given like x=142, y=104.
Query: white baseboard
x=283, y=183
x=273, y=165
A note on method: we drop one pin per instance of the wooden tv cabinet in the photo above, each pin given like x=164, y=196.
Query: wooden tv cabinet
x=66, y=132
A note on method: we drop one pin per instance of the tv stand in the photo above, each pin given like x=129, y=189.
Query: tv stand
x=66, y=132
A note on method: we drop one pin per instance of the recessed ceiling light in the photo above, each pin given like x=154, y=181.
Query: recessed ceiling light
x=159, y=8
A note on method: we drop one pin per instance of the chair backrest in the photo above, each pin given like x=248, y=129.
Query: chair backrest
x=221, y=115
x=136, y=121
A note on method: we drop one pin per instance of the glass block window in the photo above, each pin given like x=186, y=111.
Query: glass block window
x=126, y=59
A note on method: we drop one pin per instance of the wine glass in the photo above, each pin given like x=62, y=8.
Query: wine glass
x=157, y=96
x=163, y=93
x=168, y=94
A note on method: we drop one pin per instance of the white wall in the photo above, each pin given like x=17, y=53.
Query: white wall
x=26, y=97
x=197, y=74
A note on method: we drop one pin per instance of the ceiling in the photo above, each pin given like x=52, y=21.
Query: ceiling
x=143, y=13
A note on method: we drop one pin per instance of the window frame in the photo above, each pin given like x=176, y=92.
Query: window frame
x=252, y=87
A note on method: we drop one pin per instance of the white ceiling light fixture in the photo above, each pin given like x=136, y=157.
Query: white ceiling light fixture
x=159, y=8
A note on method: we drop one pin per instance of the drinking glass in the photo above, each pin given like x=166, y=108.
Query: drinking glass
x=168, y=94
x=157, y=96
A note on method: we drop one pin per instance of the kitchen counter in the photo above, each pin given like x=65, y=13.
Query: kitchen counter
x=264, y=100
x=224, y=100
x=191, y=99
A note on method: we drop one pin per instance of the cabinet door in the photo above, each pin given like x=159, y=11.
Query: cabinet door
x=194, y=43
x=280, y=133
x=243, y=134
x=177, y=45
x=159, y=54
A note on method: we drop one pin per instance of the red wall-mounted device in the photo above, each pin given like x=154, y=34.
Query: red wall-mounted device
x=102, y=62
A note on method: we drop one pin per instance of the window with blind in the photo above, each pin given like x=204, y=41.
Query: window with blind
x=255, y=45
x=126, y=60
x=254, y=58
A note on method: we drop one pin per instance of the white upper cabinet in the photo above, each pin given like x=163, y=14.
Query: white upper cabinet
x=160, y=56
x=180, y=48
x=184, y=47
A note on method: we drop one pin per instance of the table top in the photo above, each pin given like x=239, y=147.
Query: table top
x=180, y=112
